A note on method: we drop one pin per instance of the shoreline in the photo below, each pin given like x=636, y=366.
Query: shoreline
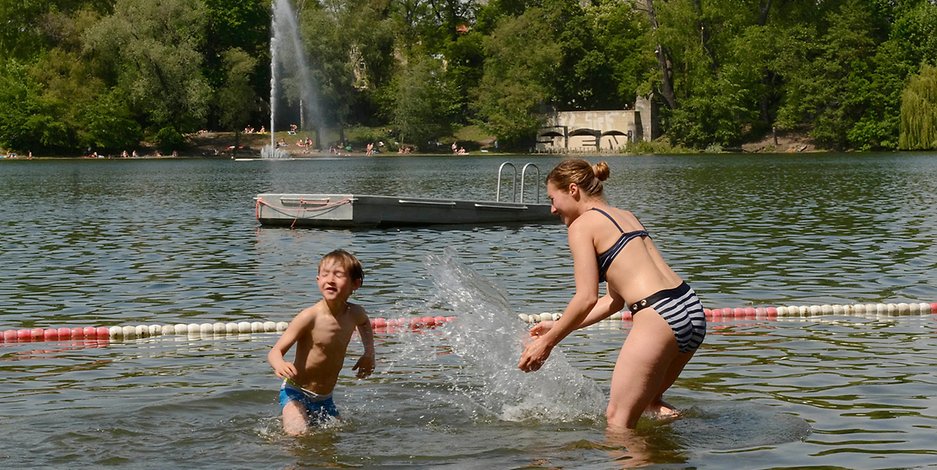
x=220, y=145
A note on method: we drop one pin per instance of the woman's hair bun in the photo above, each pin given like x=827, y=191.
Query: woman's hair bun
x=601, y=170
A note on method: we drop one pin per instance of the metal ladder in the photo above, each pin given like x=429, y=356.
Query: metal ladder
x=514, y=182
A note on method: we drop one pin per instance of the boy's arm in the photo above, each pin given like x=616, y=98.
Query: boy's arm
x=365, y=364
x=276, y=357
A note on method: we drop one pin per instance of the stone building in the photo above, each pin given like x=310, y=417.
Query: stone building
x=598, y=131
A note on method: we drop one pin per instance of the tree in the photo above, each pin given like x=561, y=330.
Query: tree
x=622, y=35
x=522, y=59
x=23, y=124
x=93, y=117
x=664, y=61
x=152, y=47
x=830, y=91
x=351, y=51
x=465, y=65
x=20, y=36
x=588, y=78
x=237, y=100
x=107, y=123
x=243, y=25
x=425, y=104
x=919, y=112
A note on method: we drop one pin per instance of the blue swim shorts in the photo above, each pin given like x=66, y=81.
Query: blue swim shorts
x=318, y=407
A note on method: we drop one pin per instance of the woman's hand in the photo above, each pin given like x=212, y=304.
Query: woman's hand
x=541, y=328
x=535, y=354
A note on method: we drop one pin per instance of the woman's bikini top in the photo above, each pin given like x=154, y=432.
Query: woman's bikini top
x=605, y=258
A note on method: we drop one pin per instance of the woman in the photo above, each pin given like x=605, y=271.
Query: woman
x=610, y=244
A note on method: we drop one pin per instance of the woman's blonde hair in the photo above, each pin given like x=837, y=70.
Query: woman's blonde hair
x=588, y=177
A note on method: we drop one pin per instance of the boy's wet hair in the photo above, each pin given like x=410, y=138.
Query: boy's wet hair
x=347, y=261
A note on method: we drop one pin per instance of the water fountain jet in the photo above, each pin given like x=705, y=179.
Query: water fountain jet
x=287, y=56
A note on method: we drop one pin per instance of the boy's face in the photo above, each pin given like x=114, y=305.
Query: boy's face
x=335, y=282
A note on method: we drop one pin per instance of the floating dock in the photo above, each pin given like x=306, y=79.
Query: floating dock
x=351, y=210
x=363, y=210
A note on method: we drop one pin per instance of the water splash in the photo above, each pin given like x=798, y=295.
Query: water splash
x=488, y=337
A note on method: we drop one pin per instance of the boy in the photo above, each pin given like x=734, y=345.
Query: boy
x=321, y=334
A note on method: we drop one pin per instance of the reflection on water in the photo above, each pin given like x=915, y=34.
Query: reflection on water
x=174, y=241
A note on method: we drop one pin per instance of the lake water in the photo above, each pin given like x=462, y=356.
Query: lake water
x=88, y=243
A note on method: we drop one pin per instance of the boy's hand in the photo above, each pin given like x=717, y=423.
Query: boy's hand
x=364, y=366
x=285, y=370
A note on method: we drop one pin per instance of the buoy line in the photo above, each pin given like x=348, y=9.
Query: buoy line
x=391, y=325
x=792, y=311
x=192, y=329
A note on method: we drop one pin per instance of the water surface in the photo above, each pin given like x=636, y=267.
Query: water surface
x=175, y=241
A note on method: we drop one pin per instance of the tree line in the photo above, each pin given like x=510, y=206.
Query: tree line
x=108, y=74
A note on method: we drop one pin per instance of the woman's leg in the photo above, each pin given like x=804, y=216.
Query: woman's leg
x=642, y=369
x=658, y=406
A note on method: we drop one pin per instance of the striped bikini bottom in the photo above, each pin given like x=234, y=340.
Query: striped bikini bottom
x=682, y=310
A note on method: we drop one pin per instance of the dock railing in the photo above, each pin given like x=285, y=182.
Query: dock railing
x=514, y=185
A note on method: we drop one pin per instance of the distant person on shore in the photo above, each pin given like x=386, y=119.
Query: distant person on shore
x=321, y=334
x=610, y=244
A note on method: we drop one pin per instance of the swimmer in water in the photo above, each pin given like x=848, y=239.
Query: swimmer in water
x=610, y=244
x=321, y=334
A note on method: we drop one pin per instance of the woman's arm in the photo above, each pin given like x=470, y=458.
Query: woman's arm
x=586, y=273
x=604, y=308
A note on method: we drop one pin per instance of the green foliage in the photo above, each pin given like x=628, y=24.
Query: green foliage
x=54, y=107
x=522, y=59
x=658, y=147
x=108, y=125
x=237, y=100
x=168, y=139
x=152, y=47
x=831, y=93
x=623, y=38
x=19, y=36
x=711, y=118
x=425, y=103
x=351, y=46
x=915, y=32
x=80, y=74
x=919, y=112
x=18, y=103
x=466, y=58
x=242, y=24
